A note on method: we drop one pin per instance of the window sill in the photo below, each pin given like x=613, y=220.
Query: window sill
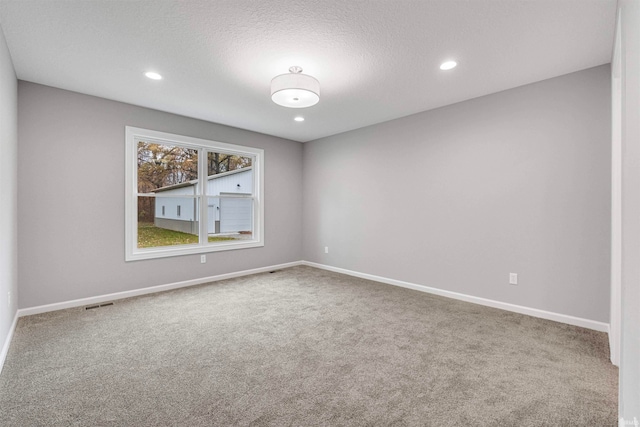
x=164, y=252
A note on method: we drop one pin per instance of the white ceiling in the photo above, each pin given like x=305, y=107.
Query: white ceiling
x=376, y=60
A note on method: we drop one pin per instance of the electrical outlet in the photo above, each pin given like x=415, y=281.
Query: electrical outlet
x=513, y=278
x=9, y=299
x=326, y=249
x=203, y=259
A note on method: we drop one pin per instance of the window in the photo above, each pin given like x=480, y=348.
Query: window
x=195, y=179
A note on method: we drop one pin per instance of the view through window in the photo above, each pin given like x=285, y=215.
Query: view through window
x=179, y=180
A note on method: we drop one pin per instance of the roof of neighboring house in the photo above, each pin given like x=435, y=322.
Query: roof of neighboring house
x=195, y=181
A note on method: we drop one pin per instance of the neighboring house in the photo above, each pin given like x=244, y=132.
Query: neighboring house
x=229, y=207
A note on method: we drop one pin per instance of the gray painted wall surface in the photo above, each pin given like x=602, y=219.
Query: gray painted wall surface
x=630, y=340
x=457, y=198
x=71, y=198
x=8, y=190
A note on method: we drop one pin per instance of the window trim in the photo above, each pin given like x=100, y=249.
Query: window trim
x=132, y=252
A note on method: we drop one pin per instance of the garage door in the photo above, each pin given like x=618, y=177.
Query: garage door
x=235, y=214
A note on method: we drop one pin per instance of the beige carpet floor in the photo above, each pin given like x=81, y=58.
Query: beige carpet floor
x=303, y=347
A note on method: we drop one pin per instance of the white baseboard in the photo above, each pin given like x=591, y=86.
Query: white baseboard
x=534, y=312
x=562, y=318
x=150, y=290
x=7, y=341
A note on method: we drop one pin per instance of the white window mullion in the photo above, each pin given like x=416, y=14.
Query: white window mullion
x=258, y=203
x=202, y=192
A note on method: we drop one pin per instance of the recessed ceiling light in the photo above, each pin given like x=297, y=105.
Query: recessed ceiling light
x=153, y=76
x=448, y=65
x=299, y=119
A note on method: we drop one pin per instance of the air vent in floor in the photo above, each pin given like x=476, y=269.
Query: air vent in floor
x=91, y=307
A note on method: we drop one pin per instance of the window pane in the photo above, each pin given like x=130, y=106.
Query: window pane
x=163, y=166
x=167, y=221
x=229, y=218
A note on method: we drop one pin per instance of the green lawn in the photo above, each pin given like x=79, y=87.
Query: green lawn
x=150, y=236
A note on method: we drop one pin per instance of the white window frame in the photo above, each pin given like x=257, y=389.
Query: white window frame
x=132, y=252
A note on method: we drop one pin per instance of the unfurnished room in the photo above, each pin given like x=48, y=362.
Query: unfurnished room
x=320, y=213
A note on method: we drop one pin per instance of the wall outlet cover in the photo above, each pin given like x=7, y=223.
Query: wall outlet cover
x=513, y=278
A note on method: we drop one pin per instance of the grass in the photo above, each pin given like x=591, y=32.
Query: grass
x=150, y=236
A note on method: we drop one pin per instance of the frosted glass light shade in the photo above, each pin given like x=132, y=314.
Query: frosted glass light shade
x=295, y=90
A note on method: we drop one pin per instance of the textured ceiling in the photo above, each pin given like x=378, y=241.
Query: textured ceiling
x=376, y=60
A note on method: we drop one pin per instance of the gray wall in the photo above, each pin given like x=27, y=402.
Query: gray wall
x=630, y=348
x=457, y=198
x=71, y=198
x=8, y=188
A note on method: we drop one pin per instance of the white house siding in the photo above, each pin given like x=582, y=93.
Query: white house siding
x=239, y=182
x=187, y=212
x=237, y=215
x=177, y=213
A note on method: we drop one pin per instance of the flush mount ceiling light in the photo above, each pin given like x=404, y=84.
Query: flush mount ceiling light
x=153, y=76
x=299, y=119
x=295, y=90
x=448, y=65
